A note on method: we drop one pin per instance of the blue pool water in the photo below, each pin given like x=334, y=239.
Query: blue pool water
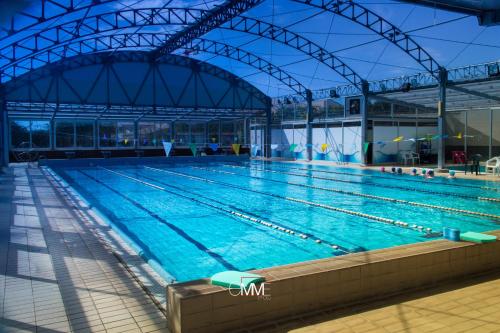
x=199, y=219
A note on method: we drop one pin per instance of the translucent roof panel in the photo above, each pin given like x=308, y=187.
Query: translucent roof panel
x=59, y=28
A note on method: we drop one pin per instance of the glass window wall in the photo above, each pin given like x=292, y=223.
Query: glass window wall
x=65, y=133
x=30, y=134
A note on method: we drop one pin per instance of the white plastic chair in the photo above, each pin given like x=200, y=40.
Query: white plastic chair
x=415, y=157
x=405, y=157
x=492, y=165
x=409, y=156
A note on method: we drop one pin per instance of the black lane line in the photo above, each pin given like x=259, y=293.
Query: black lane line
x=230, y=214
x=342, y=248
x=369, y=217
x=227, y=211
x=177, y=230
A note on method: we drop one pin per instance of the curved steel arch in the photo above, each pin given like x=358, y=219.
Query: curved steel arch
x=137, y=17
x=376, y=23
x=228, y=51
x=209, y=21
x=16, y=24
x=92, y=44
x=78, y=28
x=55, y=70
x=152, y=40
x=298, y=42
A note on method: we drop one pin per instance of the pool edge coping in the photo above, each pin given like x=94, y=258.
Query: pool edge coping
x=470, y=258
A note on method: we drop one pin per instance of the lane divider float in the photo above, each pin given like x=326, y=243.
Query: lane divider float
x=277, y=164
x=245, y=216
x=463, y=196
x=305, y=202
x=370, y=196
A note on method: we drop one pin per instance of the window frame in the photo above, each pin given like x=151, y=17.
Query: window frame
x=9, y=130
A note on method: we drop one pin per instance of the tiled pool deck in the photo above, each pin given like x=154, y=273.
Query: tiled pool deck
x=472, y=305
x=59, y=269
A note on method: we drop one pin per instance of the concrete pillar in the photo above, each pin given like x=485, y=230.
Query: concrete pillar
x=443, y=78
x=136, y=134
x=309, y=119
x=490, y=143
x=172, y=125
x=4, y=132
x=267, y=136
x=207, y=139
x=246, y=131
x=219, y=132
x=466, y=131
x=96, y=134
x=365, y=89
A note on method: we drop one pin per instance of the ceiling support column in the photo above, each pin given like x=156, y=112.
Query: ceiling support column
x=443, y=79
x=4, y=130
x=268, y=138
x=309, y=119
x=365, y=88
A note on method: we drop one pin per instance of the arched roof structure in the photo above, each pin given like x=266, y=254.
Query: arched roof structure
x=48, y=31
x=130, y=79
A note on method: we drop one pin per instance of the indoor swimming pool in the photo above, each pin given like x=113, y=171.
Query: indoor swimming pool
x=197, y=219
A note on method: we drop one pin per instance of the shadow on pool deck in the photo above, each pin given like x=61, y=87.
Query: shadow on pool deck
x=56, y=275
x=461, y=306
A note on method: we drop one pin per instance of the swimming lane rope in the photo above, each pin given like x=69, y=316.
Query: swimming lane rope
x=463, y=196
x=488, y=188
x=277, y=227
x=399, y=201
x=400, y=224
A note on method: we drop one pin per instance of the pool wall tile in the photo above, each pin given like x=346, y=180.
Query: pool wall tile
x=85, y=162
x=197, y=307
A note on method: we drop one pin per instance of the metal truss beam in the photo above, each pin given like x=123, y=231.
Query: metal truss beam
x=96, y=24
x=151, y=40
x=209, y=21
x=21, y=55
x=228, y=51
x=55, y=50
x=48, y=10
x=92, y=44
x=376, y=23
x=75, y=111
x=292, y=39
x=460, y=75
x=104, y=58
